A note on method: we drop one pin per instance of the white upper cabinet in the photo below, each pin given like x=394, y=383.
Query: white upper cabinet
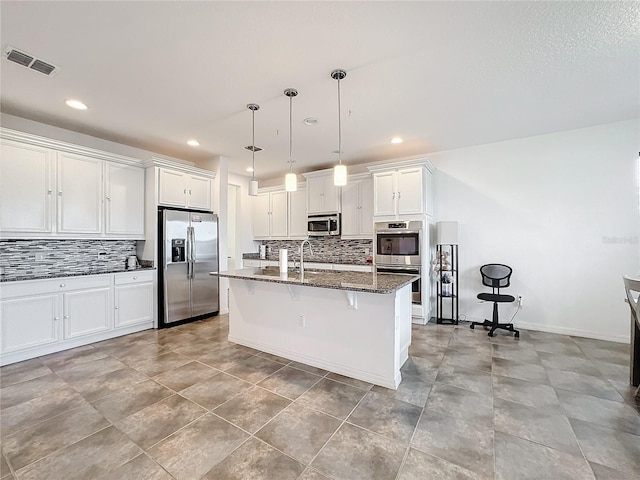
x=357, y=207
x=278, y=214
x=298, y=213
x=79, y=191
x=400, y=189
x=172, y=189
x=270, y=214
x=200, y=192
x=262, y=215
x=53, y=189
x=384, y=187
x=183, y=189
x=27, y=180
x=410, y=188
x=124, y=200
x=322, y=195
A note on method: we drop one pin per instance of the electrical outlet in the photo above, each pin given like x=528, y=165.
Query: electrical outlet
x=520, y=300
x=40, y=256
x=303, y=322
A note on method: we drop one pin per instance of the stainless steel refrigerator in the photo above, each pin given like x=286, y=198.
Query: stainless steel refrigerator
x=188, y=254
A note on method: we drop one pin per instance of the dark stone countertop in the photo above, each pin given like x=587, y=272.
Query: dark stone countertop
x=63, y=274
x=310, y=259
x=352, y=281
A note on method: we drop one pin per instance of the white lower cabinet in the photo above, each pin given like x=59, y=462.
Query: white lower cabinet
x=133, y=298
x=38, y=317
x=42, y=314
x=87, y=312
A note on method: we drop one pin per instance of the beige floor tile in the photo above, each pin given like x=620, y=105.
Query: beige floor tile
x=196, y=449
x=156, y=422
x=91, y=457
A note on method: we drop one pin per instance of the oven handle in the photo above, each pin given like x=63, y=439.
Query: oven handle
x=397, y=231
x=397, y=268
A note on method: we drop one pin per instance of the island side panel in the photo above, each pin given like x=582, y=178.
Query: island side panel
x=357, y=334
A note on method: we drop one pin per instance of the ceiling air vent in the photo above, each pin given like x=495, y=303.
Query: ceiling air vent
x=29, y=61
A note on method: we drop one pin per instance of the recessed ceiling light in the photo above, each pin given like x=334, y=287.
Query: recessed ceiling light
x=77, y=104
x=396, y=140
x=311, y=121
x=249, y=169
x=193, y=143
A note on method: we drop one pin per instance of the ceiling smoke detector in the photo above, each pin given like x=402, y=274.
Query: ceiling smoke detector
x=30, y=61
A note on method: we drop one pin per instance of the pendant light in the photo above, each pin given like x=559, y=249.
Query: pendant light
x=290, y=179
x=339, y=171
x=253, y=184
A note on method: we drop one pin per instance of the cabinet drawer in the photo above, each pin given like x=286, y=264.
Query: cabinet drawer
x=134, y=277
x=57, y=285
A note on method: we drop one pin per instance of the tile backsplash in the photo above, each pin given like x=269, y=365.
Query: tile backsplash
x=18, y=257
x=329, y=249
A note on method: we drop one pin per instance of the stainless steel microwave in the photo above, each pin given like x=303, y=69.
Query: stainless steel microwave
x=321, y=225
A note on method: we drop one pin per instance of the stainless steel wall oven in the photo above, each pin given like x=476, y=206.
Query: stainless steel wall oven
x=398, y=250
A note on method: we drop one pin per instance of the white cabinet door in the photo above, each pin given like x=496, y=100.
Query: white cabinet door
x=409, y=191
x=79, y=185
x=87, y=312
x=279, y=212
x=261, y=215
x=26, y=188
x=331, y=196
x=322, y=195
x=366, y=207
x=172, y=189
x=351, y=209
x=384, y=200
x=133, y=304
x=124, y=200
x=315, y=194
x=298, y=213
x=199, y=193
x=29, y=322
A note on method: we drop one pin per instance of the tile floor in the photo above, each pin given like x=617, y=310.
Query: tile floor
x=186, y=404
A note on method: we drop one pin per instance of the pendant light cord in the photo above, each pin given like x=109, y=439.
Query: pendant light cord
x=339, y=127
x=290, y=132
x=253, y=144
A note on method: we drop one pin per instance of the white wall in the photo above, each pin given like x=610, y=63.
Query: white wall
x=562, y=211
x=244, y=224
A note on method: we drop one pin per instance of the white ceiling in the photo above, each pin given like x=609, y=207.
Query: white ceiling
x=441, y=75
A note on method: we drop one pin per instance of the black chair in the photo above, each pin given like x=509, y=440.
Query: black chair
x=496, y=276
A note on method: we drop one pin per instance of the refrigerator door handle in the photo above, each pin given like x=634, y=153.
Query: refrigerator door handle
x=192, y=244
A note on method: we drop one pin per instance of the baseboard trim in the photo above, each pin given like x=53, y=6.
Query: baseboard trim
x=574, y=332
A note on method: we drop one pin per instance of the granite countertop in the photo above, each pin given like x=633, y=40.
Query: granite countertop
x=62, y=274
x=353, y=281
x=310, y=259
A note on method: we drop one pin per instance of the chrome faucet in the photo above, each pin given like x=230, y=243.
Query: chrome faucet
x=306, y=240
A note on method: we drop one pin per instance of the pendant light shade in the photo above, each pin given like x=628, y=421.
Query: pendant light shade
x=290, y=179
x=340, y=175
x=290, y=182
x=253, y=184
x=253, y=188
x=339, y=171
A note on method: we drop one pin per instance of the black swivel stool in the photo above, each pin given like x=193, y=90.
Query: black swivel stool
x=496, y=276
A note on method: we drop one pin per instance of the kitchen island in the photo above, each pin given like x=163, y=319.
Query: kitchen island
x=355, y=324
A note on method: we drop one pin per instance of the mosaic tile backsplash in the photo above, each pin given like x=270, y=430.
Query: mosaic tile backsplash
x=325, y=249
x=18, y=257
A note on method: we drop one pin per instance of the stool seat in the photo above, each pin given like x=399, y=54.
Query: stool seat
x=496, y=297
